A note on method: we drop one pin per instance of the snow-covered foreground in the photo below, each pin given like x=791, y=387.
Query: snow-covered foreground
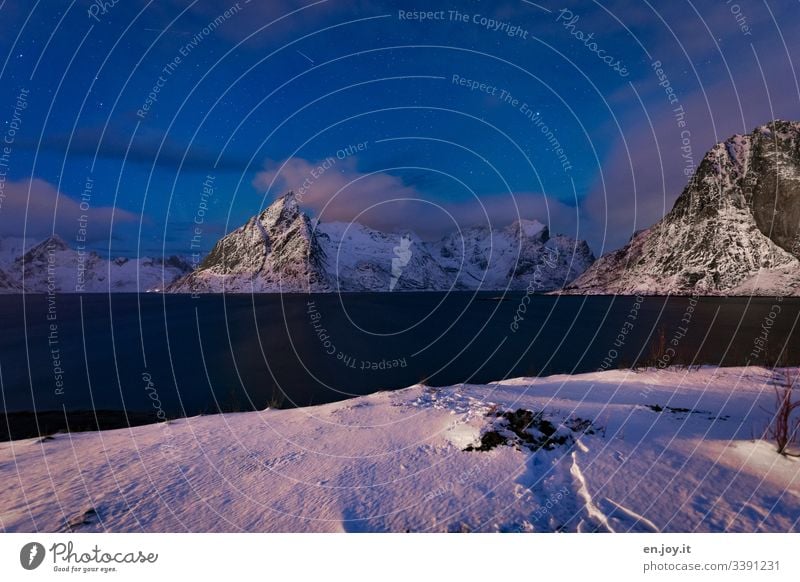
x=396, y=461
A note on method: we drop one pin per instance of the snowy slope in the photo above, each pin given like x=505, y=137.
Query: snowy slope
x=8, y=284
x=646, y=451
x=52, y=265
x=518, y=256
x=735, y=229
x=283, y=250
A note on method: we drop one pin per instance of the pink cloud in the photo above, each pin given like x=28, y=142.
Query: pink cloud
x=337, y=192
x=49, y=210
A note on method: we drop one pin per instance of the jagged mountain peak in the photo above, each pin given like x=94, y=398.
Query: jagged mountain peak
x=39, y=251
x=733, y=230
x=757, y=173
x=285, y=208
x=53, y=241
x=275, y=250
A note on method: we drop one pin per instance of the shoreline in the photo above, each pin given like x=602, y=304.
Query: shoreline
x=55, y=422
x=616, y=451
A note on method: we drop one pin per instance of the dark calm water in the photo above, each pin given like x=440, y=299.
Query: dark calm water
x=173, y=355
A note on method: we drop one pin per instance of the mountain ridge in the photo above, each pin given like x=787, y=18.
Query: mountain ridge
x=282, y=250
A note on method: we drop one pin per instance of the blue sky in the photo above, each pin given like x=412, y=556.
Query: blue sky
x=262, y=92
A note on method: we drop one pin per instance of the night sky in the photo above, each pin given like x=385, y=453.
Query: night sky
x=150, y=117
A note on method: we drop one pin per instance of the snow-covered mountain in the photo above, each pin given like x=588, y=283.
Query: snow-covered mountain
x=274, y=251
x=282, y=249
x=51, y=265
x=735, y=229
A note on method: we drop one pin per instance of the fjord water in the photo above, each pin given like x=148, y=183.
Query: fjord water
x=173, y=355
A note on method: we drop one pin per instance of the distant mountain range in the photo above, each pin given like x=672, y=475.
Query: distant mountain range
x=51, y=265
x=283, y=250
x=735, y=229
